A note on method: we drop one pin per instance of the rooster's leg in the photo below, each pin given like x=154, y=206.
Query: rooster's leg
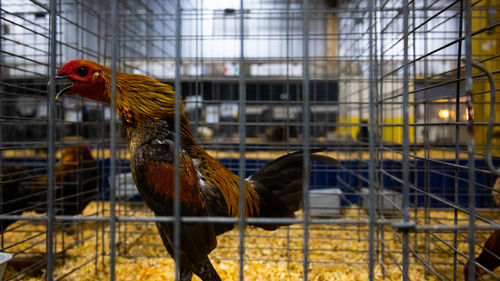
x=186, y=274
x=206, y=271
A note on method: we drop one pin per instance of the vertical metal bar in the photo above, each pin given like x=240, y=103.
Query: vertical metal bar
x=51, y=126
x=99, y=156
x=102, y=43
x=112, y=140
x=202, y=84
x=197, y=68
x=177, y=141
x=2, y=240
x=119, y=207
x=242, y=133
x=457, y=138
x=427, y=176
x=415, y=108
x=148, y=44
x=380, y=118
x=406, y=142
x=377, y=243
x=287, y=91
x=305, y=131
x=371, y=162
x=360, y=29
x=79, y=44
x=287, y=121
x=470, y=139
x=427, y=188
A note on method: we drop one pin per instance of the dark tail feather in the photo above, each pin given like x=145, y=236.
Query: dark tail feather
x=279, y=184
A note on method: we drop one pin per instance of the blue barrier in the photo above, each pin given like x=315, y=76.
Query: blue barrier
x=351, y=176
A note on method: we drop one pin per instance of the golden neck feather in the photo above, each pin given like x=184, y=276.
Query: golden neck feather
x=140, y=98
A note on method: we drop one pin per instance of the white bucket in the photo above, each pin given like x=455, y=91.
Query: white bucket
x=325, y=202
x=4, y=258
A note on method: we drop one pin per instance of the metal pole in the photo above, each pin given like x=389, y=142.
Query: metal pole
x=457, y=139
x=101, y=146
x=470, y=139
x=371, y=162
x=414, y=106
x=2, y=241
x=305, y=131
x=287, y=121
x=380, y=128
x=427, y=182
x=177, y=141
x=112, y=140
x=406, y=144
x=51, y=158
x=197, y=64
x=287, y=91
x=242, y=132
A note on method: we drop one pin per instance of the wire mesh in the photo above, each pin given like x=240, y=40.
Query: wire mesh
x=400, y=92
x=34, y=134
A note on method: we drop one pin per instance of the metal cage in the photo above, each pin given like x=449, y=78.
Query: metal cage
x=401, y=92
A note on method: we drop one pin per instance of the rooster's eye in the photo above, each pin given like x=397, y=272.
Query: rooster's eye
x=83, y=70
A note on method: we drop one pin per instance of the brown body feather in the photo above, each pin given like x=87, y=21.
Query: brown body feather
x=227, y=182
x=160, y=175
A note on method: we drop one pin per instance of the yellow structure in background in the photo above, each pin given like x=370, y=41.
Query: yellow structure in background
x=485, y=49
x=392, y=128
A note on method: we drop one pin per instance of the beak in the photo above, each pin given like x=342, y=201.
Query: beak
x=63, y=91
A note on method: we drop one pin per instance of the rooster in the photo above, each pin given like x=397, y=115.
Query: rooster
x=207, y=188
x=77, y=181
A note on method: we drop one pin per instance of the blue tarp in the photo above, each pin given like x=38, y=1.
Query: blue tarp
x=352, y=175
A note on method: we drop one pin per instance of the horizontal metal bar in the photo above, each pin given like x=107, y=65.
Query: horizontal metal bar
x=314, y=221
